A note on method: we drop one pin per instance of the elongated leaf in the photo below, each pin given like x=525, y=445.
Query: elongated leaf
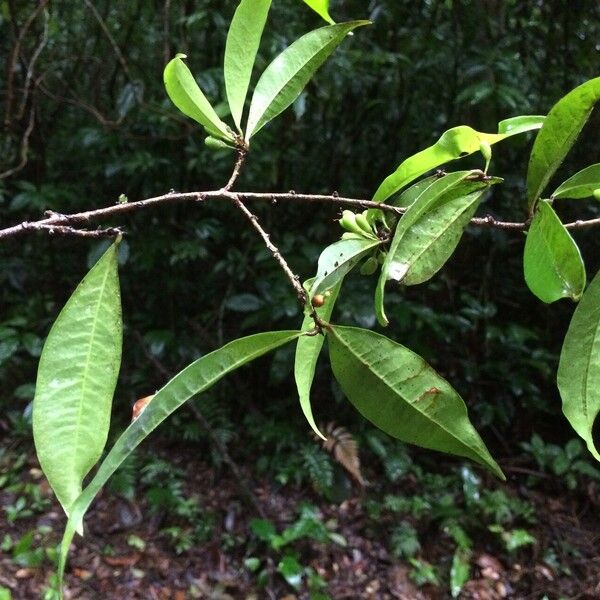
x=400, y=393
x=558, y=134
x=581, y=185
x=339, y=259
x=189, y=99
x=194, y=379
x=453, y=144
x=242, y=44
x=76, y=380
x=308, y=349
x=321, y=7
x=579, y=367
x=431, y=242
x=285, y=78
x=433, y=223
x=409, y=195
x=552, y=262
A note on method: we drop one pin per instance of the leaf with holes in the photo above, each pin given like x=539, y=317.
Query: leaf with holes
x=579, y=367
x=552, y=262
x=242, y=44
x=285, y=78
x=581, y=185
x=429, y=231
x=189, y=99
x=193, y=380
x=452, y=145
x=558, y=133
x=76, y=380
x=337, y=260
x=400, y=393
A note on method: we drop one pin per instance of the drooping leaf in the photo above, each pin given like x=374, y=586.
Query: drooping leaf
x=558, y=133
x=579, y=367
x=285, y=78
x=76, y=380
x=189, y=99
x=552, y=262
x=340, y=443
x=242, y=44
x=308, y=349
x=400, y=393
x=581, y=185
x=453, y=144
x=433, y=223
x=193, y=380
x=321, y=7
x=338, y=259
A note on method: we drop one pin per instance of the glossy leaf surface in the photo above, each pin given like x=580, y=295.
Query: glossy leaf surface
x=432, y=226
x=337, y=260
x=453, y=144
x=321, y=7
x=76, y=380
x=194, y=379
x=579, y=368
x=242, y=44
x=581, y=185
x=552, y=262
x=285, y=78
x=559, y=132
x=400, y=393
x=189, y=99
x=308, y=349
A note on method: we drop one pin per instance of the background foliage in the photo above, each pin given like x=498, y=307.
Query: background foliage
x=193, y=277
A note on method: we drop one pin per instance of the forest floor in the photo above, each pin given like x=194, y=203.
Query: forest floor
x=132, y=550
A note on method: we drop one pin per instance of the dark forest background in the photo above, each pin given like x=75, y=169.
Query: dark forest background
x=92, y=121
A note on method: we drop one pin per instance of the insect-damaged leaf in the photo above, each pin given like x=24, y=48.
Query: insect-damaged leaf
x=400, y=393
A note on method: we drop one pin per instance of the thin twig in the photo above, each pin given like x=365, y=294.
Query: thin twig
x=72, y=231
x=24, y=153
x=273, y=198
x=294, y=279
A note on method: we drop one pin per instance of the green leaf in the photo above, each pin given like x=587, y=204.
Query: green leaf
x=408, y=196
x=242, y=44
x=460, y=572
x=321, y=7
x=453, y=144
x=189, y=99
x=76, y=380
x=291, y=570
x=285, y=78
x=552, y=262
x=194, y=379
x=581, y=185
x=308, y=349
x=559, y=132
x=429, y=231
x=337, y=260
x=579, y=367
x=400, y=393
x=429, y=243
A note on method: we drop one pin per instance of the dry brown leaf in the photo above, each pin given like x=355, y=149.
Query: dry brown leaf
x=343, y=447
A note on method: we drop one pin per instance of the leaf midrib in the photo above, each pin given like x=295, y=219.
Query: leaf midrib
x=388, y=385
